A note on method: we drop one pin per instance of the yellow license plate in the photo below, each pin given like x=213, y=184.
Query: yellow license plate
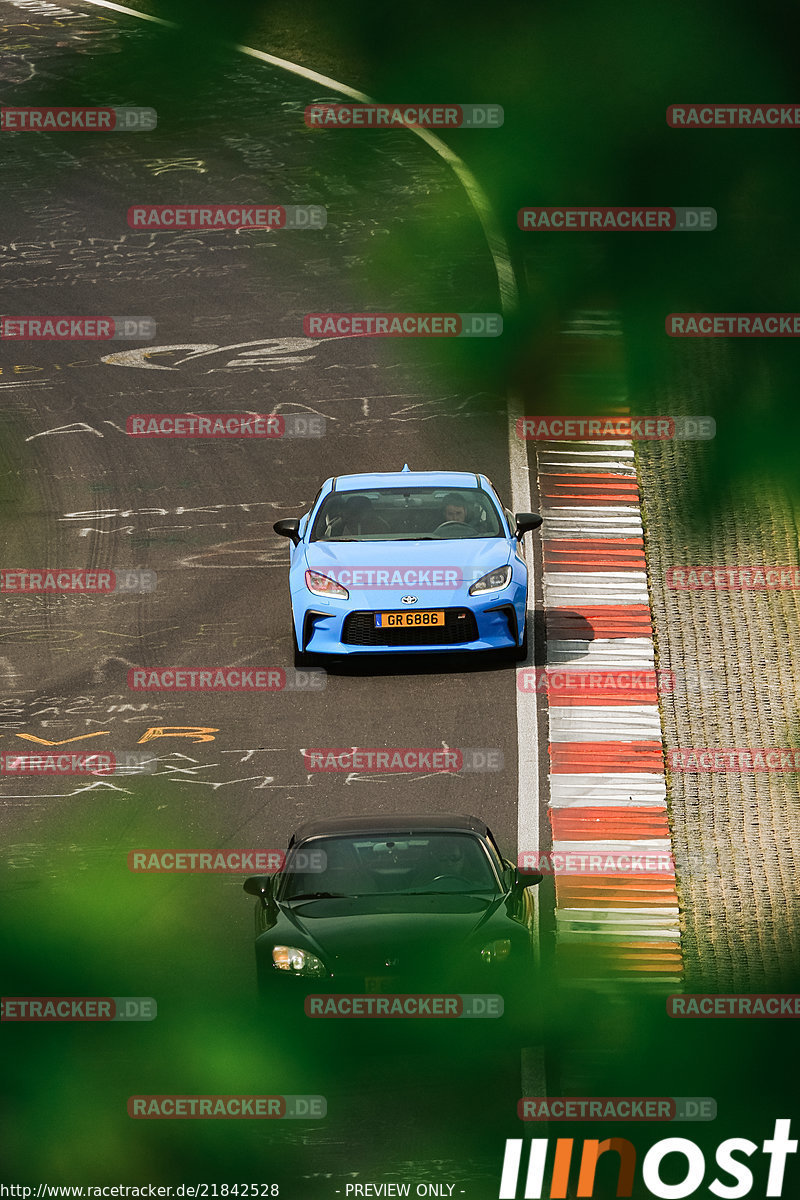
x=402, y=620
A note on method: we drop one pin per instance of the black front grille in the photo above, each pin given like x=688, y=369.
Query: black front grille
x=459, y=626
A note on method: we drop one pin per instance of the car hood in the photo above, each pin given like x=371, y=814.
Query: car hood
x=364, y=930
x=458, y=562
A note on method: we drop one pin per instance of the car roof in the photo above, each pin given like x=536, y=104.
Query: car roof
x=395, y=823
x=392, y=479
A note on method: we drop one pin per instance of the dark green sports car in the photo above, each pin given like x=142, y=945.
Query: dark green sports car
x=395, y=905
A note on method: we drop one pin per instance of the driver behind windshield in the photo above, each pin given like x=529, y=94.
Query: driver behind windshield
x=454, y=510
x=458, y=860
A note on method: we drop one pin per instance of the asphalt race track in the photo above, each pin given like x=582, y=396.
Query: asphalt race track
x=79, y=493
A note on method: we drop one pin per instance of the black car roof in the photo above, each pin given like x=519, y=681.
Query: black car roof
x=396, y=823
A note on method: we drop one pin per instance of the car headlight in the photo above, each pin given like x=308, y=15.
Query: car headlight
x=321, y=585
x=297, y=962
x=496, y=951
x=495, y=581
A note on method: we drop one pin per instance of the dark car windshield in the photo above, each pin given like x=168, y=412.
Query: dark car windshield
x=410, y=513
x=387, y=865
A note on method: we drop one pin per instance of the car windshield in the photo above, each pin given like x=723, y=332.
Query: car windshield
x=386, y=865
x=406, y=514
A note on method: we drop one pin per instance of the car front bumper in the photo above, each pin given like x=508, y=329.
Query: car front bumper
x=347, y=627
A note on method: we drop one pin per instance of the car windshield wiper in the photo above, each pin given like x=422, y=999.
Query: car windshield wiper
x=423, y=537
x=319, y=896
x=448, y=892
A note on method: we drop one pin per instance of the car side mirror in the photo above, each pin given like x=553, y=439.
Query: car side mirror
x=290, y=528
x=258, y=885
x=526, y=880
x=525, y=522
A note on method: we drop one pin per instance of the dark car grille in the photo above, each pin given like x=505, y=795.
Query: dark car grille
x=459, y=626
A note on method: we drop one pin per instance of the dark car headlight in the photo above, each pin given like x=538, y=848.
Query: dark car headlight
x=297, y=962
x=493, y=581
x=322, y=585
x=497, y=951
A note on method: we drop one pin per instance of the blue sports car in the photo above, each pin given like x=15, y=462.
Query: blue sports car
x=408, y=561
